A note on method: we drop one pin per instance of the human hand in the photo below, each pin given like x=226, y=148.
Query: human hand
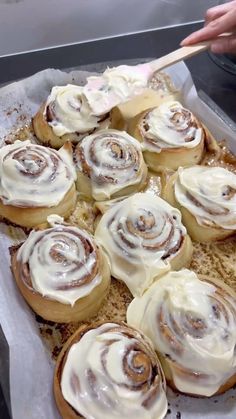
x=218, y=20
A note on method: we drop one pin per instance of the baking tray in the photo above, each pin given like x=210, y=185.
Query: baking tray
x=35, y=365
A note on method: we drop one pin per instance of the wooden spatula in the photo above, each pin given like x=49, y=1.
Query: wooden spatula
x=112, y=98
x=181, y=54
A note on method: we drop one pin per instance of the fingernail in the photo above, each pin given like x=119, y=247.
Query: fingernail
x=190, y=39
x=185, y=41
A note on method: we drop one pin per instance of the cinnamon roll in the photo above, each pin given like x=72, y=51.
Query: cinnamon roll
x=109, y=165
x=192, y=324
x=206, y=197
x=159, y=89
x=171, y=136
x=66, y=115
x=109, y=371
x=62, y=273
x=143, y=237
x=35, y=182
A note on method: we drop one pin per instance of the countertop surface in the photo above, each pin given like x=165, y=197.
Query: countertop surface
x=215, y=82
x=57, y=22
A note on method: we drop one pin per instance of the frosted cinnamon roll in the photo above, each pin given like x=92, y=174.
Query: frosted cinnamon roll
x=109, y=164
x=206, y=197
x=143, y=237
x=35, y=182
x=66, y=115
x=192, y=324
x=170, y=134
x=109, y=371
x=62, y=273
x=159, y=89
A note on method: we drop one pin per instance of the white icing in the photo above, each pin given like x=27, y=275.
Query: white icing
x=170, y=126
x=77, y=109
x=66, y=153
x=72, y=112
x=33, y=175
x=103, y=206
x=110, y=172
x=116, y=85
x=135, y=259
x=115, y=396
x=182, y=295
x=54, y=219
x=209, y=186
x=58, y=263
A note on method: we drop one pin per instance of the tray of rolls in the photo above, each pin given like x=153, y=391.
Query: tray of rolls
x=117, y=246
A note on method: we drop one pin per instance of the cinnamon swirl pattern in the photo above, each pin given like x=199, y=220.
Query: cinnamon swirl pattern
x=34, y=178
x=207, y=196
x=110, y=372
x=171, y=136
x=33, y=175
x=143, y=237
x=67, y=111
x=65, y=116
x=192, y=324
x=110, y=164
x=61, y=264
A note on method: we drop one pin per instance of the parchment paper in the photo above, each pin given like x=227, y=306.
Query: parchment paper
x=31, y=367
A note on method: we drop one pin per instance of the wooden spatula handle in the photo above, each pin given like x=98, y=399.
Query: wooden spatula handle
x=180, y=54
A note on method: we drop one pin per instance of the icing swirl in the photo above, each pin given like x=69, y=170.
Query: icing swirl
x=192, y=324
x=112, y=160
x=33, y=175
x=209, y=193
x=113, y=372
x=140, y=235
x=67, y=111
x=61, y=263
x=170, y=125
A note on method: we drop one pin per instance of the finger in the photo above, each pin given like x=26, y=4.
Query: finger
x=223, y=24
x=224, y=45
x=218, y=11
x=213, y=15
